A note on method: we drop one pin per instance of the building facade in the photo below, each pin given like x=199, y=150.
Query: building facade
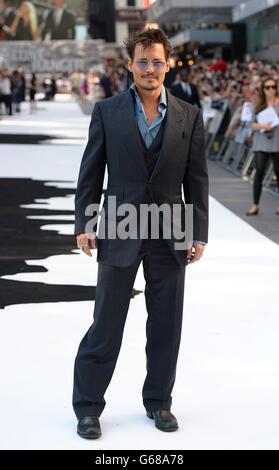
x=115, y=20
x=130, y=15
x=202, y=27
x=262, y=24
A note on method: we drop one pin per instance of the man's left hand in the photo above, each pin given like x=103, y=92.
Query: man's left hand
x=195, y=252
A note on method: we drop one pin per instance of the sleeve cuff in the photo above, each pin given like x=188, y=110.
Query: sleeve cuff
x=199, y=241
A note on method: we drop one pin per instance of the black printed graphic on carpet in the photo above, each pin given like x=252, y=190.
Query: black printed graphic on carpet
x=22, y=239
x=31, y=139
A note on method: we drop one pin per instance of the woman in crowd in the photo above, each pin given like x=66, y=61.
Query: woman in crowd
x=265, y=140
x=25, y=23
x=32, y=93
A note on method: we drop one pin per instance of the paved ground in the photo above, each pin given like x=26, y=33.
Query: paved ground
x=236, y=194
x=227, y=385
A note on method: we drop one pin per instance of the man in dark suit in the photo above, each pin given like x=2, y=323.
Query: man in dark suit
x=7, y=12
x=60, y=23
x=153, y=145
x=185, y=90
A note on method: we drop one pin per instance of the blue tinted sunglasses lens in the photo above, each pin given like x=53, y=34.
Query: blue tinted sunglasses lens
x=143, y=64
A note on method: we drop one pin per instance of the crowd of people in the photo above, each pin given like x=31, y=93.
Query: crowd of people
x=249, y=89
x=102, y=83
x=216, y=81
x=12, y=90
x=16, y=87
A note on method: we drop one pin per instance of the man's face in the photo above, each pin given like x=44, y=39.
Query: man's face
x=149, y=77
x=58, y=3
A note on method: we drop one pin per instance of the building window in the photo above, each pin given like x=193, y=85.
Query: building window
x=131, y=3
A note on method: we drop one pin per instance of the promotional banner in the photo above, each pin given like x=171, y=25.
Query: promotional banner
x=52, y=56
x=43, y=20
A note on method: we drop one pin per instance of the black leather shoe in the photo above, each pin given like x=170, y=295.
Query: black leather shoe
x=164, y=420
x=89, y=427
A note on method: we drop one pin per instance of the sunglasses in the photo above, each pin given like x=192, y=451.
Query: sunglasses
x=156, y=64
x=267, y=87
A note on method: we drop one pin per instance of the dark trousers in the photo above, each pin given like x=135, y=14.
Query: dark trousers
x=7, y=99
x=261, y=161
x=99, y=349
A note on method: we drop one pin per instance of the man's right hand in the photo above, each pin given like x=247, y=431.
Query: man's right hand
x=88, y=240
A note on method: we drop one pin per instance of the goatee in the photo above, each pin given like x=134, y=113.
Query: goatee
x=150, y=87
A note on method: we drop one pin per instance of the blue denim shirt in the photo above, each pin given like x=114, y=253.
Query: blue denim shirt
x=149, y=132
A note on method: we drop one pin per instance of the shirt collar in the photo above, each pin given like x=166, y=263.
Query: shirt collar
x=162, y=101
x=59, y=11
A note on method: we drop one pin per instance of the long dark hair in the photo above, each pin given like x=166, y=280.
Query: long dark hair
x=261, y=102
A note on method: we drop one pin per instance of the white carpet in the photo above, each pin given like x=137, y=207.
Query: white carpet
x=227, y=386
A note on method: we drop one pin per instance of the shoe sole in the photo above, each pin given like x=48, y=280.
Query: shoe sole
x=88, y=437
x=167, y=429
x=161, y=429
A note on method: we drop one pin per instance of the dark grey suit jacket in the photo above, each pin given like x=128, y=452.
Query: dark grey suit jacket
x=114, y=141
x=66, y=28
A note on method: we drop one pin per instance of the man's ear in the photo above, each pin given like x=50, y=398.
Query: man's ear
x=130, y=61
x=168, y=65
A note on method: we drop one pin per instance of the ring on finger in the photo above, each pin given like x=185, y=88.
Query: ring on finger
x=83, y=245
